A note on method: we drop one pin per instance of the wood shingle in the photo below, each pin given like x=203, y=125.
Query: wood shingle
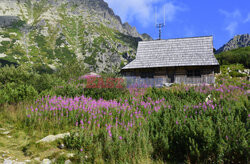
x=196, y=51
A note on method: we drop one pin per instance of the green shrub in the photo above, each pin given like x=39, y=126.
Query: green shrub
x=236, y=74
x=232, y=70
x=71, y=70
x=199, y=138
x=68, y=90
x=183, y=96
x=13, y=93
x=20, y=81
x=236, y=56
x=92, y=146
x=20, y=75
x=46, y=82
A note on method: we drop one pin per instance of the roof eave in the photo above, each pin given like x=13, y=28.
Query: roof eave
x=172, y=66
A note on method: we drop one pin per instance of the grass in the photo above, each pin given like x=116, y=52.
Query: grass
x=180, y=124
x=22, y=144
x=18, y=138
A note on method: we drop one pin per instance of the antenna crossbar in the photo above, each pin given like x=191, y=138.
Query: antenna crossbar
x=160, y=26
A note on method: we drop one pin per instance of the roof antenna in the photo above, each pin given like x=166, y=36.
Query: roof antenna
x=160, y=25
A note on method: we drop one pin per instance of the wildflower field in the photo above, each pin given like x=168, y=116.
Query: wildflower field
x=191, y=124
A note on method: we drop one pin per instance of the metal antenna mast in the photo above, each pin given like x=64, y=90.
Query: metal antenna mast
x=160, y=25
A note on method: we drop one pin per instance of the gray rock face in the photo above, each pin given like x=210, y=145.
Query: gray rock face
x=131, y=30
x=146, y=37
x=64, y=29
x=104, y=11
x=5, y=21
x=237, y=42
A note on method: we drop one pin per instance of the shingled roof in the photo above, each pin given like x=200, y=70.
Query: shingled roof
x=196, y=51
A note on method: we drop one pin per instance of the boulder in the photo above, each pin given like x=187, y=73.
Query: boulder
x=52, y=138
x=68, y=162
x=46, y=161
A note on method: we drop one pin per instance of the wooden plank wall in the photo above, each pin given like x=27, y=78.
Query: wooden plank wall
x=207, y=76
x=163, y=75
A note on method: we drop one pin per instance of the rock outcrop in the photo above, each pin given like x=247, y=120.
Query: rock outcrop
x=48, y=33
x=237, y=42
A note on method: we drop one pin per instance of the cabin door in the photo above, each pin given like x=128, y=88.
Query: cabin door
x=171, y=77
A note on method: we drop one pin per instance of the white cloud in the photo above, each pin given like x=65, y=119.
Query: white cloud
x=231, y=28
x=233, y=20
x=231, y=15
x=247, y=19
x=143, y=10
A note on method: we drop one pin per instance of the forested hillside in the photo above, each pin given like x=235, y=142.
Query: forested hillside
x=236, y=56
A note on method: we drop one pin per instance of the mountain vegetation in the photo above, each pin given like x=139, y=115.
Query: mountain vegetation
x=46, y=34
x=48, y=49
x=235, y=56
x=191, y=124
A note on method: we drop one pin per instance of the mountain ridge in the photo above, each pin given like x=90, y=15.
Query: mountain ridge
x=52, y=32
x=237, y=41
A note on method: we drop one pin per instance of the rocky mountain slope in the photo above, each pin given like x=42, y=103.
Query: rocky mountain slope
x=237, y=42
x=48, y=33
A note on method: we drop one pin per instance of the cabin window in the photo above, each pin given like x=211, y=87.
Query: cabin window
x=147, y=75
x=197, y=73
x=193, y=73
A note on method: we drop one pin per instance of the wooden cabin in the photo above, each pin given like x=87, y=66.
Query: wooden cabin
x=183, y=60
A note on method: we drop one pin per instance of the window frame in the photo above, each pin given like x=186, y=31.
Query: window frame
x=194, y=73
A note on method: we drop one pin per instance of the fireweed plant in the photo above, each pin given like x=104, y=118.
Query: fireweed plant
x=194, y=124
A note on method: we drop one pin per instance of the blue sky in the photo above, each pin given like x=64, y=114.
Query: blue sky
x=187, y=18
